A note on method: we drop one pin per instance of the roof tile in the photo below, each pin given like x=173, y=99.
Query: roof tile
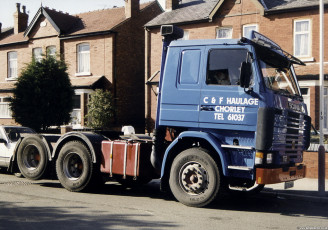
x=272, y=5
x=90, y=22
x=187, y=11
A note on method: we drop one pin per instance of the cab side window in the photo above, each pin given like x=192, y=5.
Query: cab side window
x=223, y=66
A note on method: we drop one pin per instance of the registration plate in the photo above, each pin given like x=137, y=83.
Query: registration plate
x=289, y=184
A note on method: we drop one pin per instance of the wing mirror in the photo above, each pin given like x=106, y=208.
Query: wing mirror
x=245, y=75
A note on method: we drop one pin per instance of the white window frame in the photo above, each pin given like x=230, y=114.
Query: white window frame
x=185, y=35
x=5, y=106
x=306, y=99
x=224, y=28
x=37, y=54
x=299, y=33
x=76, y=115
x=83, y=59
x=250, y=25
x=12, y=65
x=325, y=110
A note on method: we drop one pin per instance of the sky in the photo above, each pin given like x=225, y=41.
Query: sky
x=8, y=7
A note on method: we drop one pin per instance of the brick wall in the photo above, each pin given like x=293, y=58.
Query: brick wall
x=101, y=55
x=130, y=69
x=310, y=159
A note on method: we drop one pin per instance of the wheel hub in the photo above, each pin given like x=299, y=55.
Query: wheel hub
x=31, y=157
x=193, y=178
x=73, y=166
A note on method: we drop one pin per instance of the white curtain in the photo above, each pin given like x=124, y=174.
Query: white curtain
x=5, y=111
x=83, y=58
x=302, y=38
x=12, y=65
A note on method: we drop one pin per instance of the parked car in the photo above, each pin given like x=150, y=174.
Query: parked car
x=10, y=138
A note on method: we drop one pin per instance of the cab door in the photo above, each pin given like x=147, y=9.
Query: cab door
x=179, y=105
x=224, y=104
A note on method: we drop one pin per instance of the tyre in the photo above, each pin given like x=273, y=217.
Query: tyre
x=32, y=158
x=195, y=178
x=74, y=166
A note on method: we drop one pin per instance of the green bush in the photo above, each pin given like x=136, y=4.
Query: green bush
x=100, y=110
x=43, y=95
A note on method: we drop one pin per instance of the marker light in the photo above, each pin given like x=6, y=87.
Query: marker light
x=269, y=158
x=259, y=158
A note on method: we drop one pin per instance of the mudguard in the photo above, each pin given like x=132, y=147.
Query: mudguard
x=90, y=139
x=44, y=140
x=212, y=140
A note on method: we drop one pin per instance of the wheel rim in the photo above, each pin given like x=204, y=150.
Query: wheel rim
x=73, y=166
x=31, y=157
x=193, y=178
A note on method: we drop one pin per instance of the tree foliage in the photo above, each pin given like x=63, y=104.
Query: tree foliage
x=43, y=95
x=100, y=109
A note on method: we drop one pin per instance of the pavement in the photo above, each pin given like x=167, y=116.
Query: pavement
x=304, y=189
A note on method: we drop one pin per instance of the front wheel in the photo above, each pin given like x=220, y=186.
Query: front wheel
x=74, y=166
x=195, y=178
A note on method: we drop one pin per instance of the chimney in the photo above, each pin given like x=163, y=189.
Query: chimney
x=20, y=19
x=131, y=8
x=171, y=5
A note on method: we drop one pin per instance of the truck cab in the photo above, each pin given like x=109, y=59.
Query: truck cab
x=240, y=101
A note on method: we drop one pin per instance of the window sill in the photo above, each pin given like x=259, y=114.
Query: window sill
x=82, y=74
x=309, y=59
x=11, y=79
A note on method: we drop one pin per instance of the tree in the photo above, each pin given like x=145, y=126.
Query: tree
x=100, y=109
x=43, y=95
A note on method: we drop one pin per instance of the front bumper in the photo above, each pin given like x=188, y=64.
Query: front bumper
x=278, y=175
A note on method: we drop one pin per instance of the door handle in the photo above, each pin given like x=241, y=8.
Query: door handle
x=206, y=108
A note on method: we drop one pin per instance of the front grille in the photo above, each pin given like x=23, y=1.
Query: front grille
x=289, y=135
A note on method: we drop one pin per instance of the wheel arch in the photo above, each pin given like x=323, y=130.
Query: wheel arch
x=187, y=140
x=91, y=140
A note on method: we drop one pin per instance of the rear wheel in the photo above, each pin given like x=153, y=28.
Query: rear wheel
x=74, y=166
x=32, y=158
x=195, y=178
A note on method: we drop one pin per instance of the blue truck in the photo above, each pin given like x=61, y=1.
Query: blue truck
x=230, y=116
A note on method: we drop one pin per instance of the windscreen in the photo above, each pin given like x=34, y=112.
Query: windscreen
x=277, y=72
x=278, y=79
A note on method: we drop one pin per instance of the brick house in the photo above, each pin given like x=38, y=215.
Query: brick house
x=103, y=49
x=294, y=25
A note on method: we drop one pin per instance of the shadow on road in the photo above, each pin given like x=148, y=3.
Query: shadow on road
x=261, y=203
x=13, y=216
